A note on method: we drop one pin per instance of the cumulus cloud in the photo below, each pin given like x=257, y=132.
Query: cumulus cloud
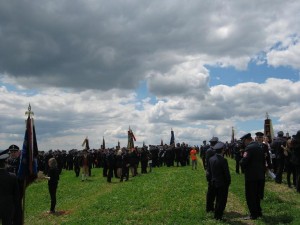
x=63, y=119
x=286, y=57
x=188, y=79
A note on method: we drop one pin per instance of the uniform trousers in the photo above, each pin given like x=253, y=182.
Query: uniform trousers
x=210, y=197
x=221, y=200
x=52, y=192
x=254, y=193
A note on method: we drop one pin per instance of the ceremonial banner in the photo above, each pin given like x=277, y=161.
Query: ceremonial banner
x=28, y=164
x=131, y=139
x=172, y=141
x=86, y=143
x=232, y=135
x=27, y=172
x=268, y=127
x=103, y=143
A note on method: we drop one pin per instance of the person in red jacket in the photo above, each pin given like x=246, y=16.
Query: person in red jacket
x=193, y=155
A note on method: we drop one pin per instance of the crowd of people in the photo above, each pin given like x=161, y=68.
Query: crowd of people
x=120, y=162
x=256, y=158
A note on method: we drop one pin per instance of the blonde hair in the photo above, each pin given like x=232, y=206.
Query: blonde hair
x=52, y=163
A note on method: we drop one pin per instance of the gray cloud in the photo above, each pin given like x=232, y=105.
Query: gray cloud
x=104, y=45
x=78, y=64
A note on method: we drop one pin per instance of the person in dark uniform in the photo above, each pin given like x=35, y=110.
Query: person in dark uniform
x=219, y=176
x=203, y=150
x=125, y=165
x=110, y=160
x=76, y=160
x=144, y=159
x=53, y=178
x=210, y=195
x=177, y=152
x=277, y=145
x=237, y=155
x=295, y=158
x=253, y=162
x=9, y=191
x=104, y=162
x=260, y=139
x=13, y=163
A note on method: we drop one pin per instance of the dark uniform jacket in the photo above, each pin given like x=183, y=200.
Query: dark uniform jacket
x=53, y=173
x=254, y=162
x=13, y=165
x=218, y=172
x=209, y=153
x=276, y=146
x=9, y=193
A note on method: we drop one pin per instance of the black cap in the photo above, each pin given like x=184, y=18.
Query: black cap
x=219, y=146
x=246, y=136
x=280, y=133
x=297, y=136
x=214, y=139
x=259, y=134
x=13, y=148
x=4, y=154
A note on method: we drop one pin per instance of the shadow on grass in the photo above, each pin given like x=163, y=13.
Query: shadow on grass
x=235, y=218
x=278, y=219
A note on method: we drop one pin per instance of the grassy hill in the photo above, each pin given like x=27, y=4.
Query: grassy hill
x=174, y=195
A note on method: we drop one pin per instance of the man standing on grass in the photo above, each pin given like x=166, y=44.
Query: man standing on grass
x=210, y=195
x=9, y=192
x=219, y=176
x=203, y=150
x=253, y=162
x=277, y=145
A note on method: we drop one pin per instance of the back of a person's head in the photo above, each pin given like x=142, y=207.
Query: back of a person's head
x=52, y=163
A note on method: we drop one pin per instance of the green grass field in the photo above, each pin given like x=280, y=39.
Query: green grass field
x=174, y=195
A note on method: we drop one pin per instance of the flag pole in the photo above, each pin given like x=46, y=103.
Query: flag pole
x=27, y=172
x=23, y=194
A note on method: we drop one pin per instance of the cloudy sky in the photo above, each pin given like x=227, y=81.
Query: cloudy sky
x=93, y=68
